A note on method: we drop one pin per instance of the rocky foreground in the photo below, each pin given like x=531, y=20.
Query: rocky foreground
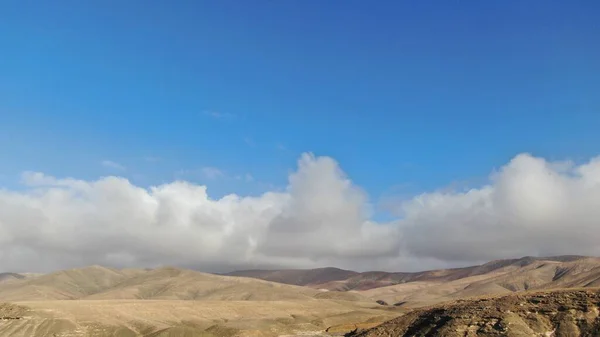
x=558, y=313
x=11, y=311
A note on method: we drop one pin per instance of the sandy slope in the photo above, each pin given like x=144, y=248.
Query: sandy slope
x=173, y=283
x=146, y=317
x=99, y=301
x=98, y=282
x=533, y=275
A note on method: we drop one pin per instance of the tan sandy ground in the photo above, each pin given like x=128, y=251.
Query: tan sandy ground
x=185, y=318
x=100, y=301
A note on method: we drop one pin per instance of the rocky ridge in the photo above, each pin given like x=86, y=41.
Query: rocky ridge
x=559, y=313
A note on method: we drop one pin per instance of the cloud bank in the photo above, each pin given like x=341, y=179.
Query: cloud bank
x=530, y=207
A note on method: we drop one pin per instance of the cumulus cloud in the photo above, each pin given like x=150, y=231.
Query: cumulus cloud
x=529, y=207
x=58, y=223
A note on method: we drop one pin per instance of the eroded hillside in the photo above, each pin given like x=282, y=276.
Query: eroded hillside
x=559, y=313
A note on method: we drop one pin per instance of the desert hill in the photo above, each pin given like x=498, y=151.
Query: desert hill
x=411, y=290
x=168, y=301
x=179, y=284
x=7, y=277
x=505, y=278
x=96, y=282
x=64, y=285
x=417, y=289
x=344, y=280
x=402, y=289
x=558, y=313
x=100, y=301
x=299, y=277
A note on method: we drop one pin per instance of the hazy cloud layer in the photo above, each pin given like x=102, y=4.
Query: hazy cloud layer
x=530, y=207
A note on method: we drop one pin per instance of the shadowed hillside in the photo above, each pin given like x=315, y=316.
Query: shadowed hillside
x=300, y=277
x=344, y=280
x=6, y=277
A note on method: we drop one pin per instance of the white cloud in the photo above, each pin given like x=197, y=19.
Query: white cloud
x=529, y=207
x=112, y=165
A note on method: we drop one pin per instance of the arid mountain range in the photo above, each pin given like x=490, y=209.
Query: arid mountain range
x=100, y=301
x=428, y=287
x=167, y=301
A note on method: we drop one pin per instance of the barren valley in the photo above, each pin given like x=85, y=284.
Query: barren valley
x=168, y=301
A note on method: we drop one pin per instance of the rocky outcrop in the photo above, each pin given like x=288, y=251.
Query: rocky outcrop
x=550, y=314
x=11, y=311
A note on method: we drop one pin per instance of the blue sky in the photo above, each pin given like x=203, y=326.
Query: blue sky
x=407, y=96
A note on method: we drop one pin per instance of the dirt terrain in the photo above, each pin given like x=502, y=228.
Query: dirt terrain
x=180, y=318
x=97, y=282
x=559, y=313
x=100, y=301
x=167, y=301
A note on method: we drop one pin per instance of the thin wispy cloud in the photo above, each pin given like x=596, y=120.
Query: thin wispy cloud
x=219, y=115
x=152, y=159
x=113, y=165
x=204, y=173
x=245, y=177
x=212, y=172
x=249, y=141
